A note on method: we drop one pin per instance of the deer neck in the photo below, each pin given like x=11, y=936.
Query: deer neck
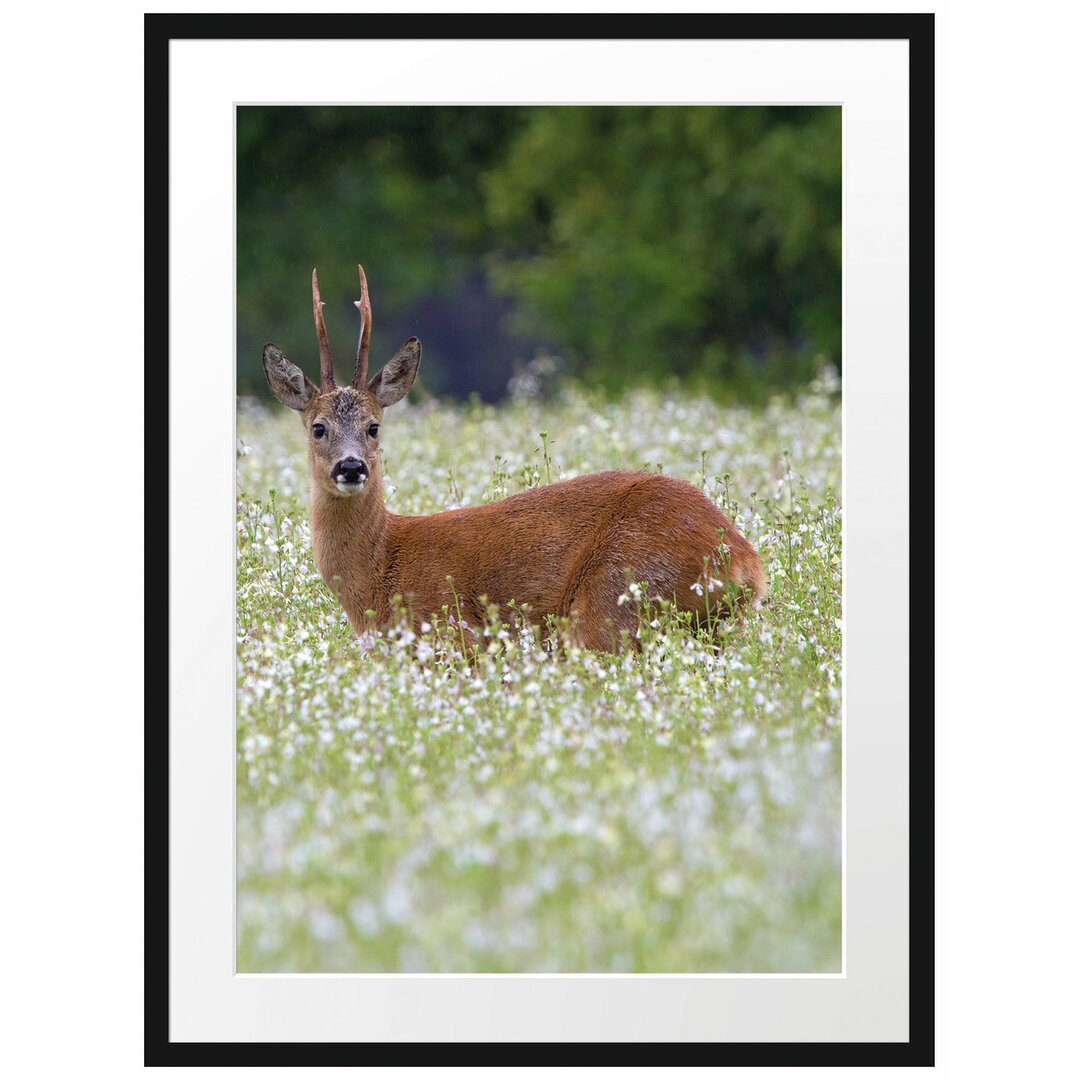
x=349, y=539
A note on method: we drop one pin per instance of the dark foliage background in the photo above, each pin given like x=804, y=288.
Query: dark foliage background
x=632, y=243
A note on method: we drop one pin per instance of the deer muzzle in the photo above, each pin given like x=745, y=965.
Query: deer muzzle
x=350, y=474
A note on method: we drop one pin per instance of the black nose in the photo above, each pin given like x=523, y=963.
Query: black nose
x=351, y=470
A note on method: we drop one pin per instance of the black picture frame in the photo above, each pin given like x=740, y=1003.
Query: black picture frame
x=918, y=31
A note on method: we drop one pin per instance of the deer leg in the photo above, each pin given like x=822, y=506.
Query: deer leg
x=596, y=616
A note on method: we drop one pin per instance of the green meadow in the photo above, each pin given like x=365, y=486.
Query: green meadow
x=421, y=800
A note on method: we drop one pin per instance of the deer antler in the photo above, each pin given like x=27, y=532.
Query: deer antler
x=326, y=360
x=363, y=305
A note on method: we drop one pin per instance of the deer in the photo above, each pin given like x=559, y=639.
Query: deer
x=565, y=549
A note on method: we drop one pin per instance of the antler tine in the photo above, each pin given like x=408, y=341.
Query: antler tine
x=326, y=360
x=363, y=305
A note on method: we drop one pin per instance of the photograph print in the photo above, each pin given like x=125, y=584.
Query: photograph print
x=539, y=607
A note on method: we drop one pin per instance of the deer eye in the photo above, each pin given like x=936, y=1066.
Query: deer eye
x=373, y=431
x=318, y=430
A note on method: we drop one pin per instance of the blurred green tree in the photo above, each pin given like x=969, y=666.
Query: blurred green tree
x=395, y=187
x=636, y=242
x=698, y=241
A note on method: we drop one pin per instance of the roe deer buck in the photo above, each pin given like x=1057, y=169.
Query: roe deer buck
x=563, y=550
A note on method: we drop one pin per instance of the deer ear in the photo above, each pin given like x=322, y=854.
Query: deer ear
x=397, y=375
x=290, y=385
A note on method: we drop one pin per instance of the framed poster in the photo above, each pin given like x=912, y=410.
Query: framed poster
x=705, y=834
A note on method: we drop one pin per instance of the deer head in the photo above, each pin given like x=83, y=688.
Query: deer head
x=342, y=422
